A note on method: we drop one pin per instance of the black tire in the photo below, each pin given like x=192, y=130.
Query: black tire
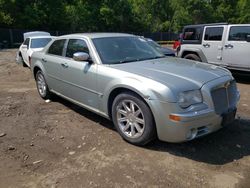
x=149, y=130
x=46, y=94
x=192, y=57
x=24, y=64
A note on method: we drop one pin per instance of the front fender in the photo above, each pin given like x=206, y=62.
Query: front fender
x=147, y=89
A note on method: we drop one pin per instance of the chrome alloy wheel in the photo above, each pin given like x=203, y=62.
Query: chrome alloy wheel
x=41, y=84
x=130, y=119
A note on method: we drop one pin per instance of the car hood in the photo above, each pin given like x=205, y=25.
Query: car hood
x=176, y=73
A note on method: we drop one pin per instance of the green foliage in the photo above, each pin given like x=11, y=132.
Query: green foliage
x=120, y=15
x=243, y=8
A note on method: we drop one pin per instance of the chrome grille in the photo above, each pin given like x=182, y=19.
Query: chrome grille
x=224, y=97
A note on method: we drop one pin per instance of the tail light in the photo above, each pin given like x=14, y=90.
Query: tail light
x=29, y=60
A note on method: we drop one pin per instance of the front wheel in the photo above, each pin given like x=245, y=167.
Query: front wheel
x=42, y=86
x=133, y=119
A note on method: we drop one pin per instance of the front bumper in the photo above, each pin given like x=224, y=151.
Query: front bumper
x=192, y=123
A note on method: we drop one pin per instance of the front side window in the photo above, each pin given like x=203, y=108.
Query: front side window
x=26, y=42
x=76, y=45
x=214, y=33
x=39, y=42
x=192, y=33
x=113, y=50
x=239, y=33
x=57, y=47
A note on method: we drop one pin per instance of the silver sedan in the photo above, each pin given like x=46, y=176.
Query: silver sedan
x=144, y=93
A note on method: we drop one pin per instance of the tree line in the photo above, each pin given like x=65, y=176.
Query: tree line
x=119, y=15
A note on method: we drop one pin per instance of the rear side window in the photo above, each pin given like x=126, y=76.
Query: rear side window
x=76, y=45
x=57, y=47
x=239, y=33
x=214, y=33
x=192, y=33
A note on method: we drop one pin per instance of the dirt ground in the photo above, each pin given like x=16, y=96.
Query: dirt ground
x=59, y=144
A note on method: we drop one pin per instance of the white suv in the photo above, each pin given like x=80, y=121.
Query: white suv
x=227, y=45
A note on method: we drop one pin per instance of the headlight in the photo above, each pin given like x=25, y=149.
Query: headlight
x=187, y=98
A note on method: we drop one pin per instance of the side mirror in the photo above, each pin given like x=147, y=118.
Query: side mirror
x=24, y=46
x=248, y=38
x=81, y=56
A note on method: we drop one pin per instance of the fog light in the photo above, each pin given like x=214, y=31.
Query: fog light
x=192, y=134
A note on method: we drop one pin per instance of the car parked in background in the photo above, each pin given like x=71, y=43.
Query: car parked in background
x=33, y=41
x=166, y=51
x=144, y=93
x=226, y=45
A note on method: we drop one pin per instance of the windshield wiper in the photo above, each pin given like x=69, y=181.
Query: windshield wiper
x=149, y=58
x=139, y=59
x=127, y=61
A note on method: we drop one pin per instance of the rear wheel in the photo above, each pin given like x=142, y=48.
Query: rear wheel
x=192, y=57
x=133, y=119
x=42, y=86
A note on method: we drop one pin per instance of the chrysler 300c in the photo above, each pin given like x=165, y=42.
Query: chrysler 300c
x=144, y=93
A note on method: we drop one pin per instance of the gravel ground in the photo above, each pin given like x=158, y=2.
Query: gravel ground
x=58, y=144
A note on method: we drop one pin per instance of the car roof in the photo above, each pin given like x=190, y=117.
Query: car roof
x=202, y=25
x=96, y=35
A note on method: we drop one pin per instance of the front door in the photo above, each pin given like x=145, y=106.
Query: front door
x=212, y=44
x=237, y=49
x=79, y=77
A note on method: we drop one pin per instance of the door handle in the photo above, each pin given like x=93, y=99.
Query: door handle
x=44, y=60
x=229, y=46
x=206, y=45
x=64, y=65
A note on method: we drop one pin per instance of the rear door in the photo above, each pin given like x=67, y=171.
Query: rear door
x=212, y=44
x=236, y=49
x=52, y=61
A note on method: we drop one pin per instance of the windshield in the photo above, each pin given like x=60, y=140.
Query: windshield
x=114, y=50
x=39, y=43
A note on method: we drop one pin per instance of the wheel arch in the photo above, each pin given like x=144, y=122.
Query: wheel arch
x=37, y=65
x=116, y=91
x=197, y=52
x=35, y=70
